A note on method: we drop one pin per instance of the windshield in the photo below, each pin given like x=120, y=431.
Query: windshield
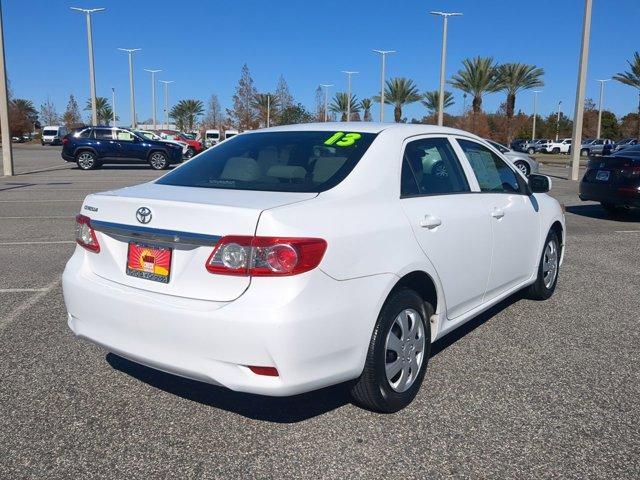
x=148, y=135
x=49, y=132
x=213, y=135
x=275, y=161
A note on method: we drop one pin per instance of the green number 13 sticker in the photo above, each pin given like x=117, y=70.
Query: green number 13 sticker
x=341, y=139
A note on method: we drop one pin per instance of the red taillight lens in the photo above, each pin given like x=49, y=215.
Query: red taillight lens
x=265, y=256
x=85, y=235
x=65, y=140
x=265, y=371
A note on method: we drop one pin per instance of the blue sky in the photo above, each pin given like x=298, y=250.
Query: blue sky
x=203, y=44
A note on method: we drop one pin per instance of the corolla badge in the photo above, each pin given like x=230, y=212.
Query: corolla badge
x=143, y=214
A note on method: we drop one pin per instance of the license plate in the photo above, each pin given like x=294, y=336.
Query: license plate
x=149, y=262
x=603, y=175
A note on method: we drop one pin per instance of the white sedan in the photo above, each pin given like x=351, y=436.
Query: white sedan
x=292, y=258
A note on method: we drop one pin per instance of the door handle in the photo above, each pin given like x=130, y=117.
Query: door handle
x=430, y=222
x=497, y=213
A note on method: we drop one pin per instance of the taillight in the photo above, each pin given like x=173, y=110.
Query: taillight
x=85, y=235
x=265, y=256
x=65, y=140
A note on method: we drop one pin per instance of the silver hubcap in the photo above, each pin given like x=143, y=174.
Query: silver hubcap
x=522, y=167
x=550, y=263
x=85, y=160
x=404, y=350
x=157, y=160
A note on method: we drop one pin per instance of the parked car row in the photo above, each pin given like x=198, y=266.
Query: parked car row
x=588, y=147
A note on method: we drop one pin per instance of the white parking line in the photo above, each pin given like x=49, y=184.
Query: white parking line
x=27, y=304
x=36, y=242
x=627, y=231
x=20, y=290
x=40, y=201
x=36, y=218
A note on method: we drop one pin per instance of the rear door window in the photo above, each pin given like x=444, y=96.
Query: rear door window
x=430, y=167
x=103, y=134
x=292, y=161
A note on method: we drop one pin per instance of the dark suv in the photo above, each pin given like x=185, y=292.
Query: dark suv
x=93, y=146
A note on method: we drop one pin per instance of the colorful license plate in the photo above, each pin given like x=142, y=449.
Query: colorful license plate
x=603, y=175
x=149, y=262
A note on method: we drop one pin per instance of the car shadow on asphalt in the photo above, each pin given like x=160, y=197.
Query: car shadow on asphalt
x=596, y=211
x=257, y=407
x=279, y=409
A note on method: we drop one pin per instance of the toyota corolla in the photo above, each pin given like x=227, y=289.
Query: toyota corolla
x=292, y=258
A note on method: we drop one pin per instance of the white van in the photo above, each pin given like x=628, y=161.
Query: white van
x=52, y=134
x=230, y=133
x=211, y=137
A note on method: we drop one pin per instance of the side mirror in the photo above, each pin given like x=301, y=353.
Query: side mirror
x=539, y=183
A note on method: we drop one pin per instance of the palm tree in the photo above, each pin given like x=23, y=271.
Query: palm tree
x=103, y=110
x=340, y=104
x=513, y=77
x=185, y=113
x=365, y=105
x=430, y=100
x=263, y=103
x=632, y=78
x=399, y=91
x=477, y=77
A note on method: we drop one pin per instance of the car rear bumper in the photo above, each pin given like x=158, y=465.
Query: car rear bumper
x=67, y=156
x=627, y=195
x=313, y=329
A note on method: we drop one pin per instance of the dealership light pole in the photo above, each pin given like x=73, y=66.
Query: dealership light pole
x=113, y=105
x=92, y=76
x=600, y=105
x=153, y=94
x=7, y=152
x=445, y=21
x=268, y=109
x=576, y=140
x=349, y=74
x=326, y=87
x=383, y=54
x=535, y=112
x=130, y=52
x=166, y=101
x=558, y=121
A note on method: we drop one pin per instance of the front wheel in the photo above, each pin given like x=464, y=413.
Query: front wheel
x=398, y=354
x=610, y=208
x=158, y=161
x=523, y=167
x=584, y=152
x=190, y=153
x=531, y=151
x=548, y=269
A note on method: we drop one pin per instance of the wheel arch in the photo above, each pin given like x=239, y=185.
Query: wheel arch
x=85, y=148
x=557, y=227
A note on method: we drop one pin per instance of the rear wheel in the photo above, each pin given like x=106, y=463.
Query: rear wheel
x=584, y=152
x=86, y=160
x=158, y=160
x=523, y=167
x=610, y=207
x=190, y=153
x=556, y=150
x=531, y=151
x=398, y=354
x=548, y=269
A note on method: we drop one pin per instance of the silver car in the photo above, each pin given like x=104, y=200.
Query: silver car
x=524, y=162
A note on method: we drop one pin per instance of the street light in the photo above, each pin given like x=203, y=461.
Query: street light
x=130, y=52
x=558, y=121
x=576, y=140
x=383, y=54
x=268, y=110
x=113, y=105
x=600, y=105
x=92, y=76
x=349, y=73
x=153, y=94
x=166, y=101
x=445, y=20
x=535, y=112
x=326, y=100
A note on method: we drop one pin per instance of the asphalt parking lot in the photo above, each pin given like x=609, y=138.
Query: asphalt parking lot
x=528, y=390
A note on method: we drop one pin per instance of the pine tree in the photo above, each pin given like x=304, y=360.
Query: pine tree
x=213, y=118
x=319, y=113
x=243, y=115
x=71, y=117
x=48, y=113
x=285, y=99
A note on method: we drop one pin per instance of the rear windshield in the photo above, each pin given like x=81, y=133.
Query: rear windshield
x=49, y=132
x=275, y=161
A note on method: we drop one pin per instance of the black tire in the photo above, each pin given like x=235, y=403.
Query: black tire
x=584, y=152
x=523, y=167
x=556, y=151
x=190, y=153
x=158, y=160
x=372, y=390
x=531, y=151
x=540, y=290
x=86, y=160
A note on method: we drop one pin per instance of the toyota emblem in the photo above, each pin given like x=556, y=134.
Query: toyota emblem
x=143, y=214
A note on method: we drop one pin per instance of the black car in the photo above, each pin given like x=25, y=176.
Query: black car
x=613, y=180
x=92, y=147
